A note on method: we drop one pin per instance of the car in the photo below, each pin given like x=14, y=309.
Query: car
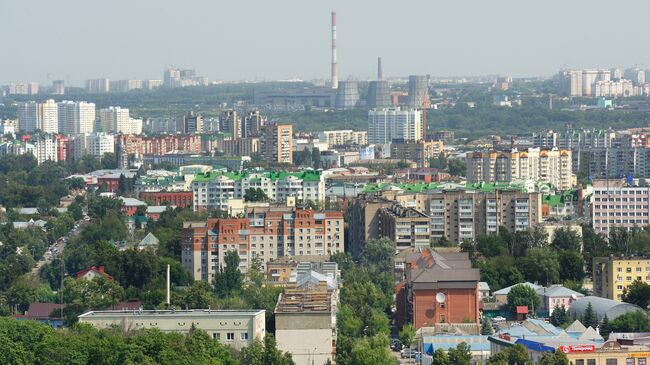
x=498, y=319
x=395, y=344
x=409, y=353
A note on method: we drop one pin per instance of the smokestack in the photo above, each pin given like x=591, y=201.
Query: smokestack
x=380, y=72
x=335, y=71
x=168, y=285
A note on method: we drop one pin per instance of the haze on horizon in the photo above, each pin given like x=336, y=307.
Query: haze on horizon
x=76, y=40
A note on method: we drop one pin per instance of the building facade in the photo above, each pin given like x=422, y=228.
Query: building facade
x=264, y=233
x=76, y=117
x=277, y=143
x=343, y=137
x=419, y=152
x=616, y=203
x=384, y=125
x=612, y=275
x=548, y=166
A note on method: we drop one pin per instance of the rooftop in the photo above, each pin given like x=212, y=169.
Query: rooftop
x=272, y=175
x=171, y=313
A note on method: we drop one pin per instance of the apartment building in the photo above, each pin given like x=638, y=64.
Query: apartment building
x=419, y=152
x=160, y=145
x=235, y=328
x=98, y=86
x=619, y=203
x=240, y=147
x=115, y=119
x=548, y=166
x=613, y=274
x=212, y=190
x=407, y=227
x=44, y=147
x=618, y=161
x=94, y=144
x=344, y=137
x=264, y=233
x=385, y=125
x=277, y=143
x=76, y=117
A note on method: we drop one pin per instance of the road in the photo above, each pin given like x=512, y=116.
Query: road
x=57, y=247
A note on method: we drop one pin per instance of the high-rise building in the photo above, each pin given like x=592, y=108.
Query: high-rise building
x=48, y=116
x=548, y=166
x=387, y=124
x=122, y=86
x=616, y=74
x=172, y=78
x=152, y=84
x=636, y=75
x=347, y=95
x=116, y=120
x=58, y=87
x=378, y=94
x=94, y=144
x=344, y=137
x=252, y=124
x=277, y=143
x=98, y=86
x=614, y=89
x=418, y=92
x=569, y=82
x=28, y=120
x=230, y=122
x=612, y=205
x=419, y=152
x=76, y=117
x=192, y=124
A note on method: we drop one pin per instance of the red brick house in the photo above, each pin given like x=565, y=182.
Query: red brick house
x=181, y=199
x=439, y=288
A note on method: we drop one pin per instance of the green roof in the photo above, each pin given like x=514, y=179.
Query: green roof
x=420, y=187
x=561, y=198
x=273, y=175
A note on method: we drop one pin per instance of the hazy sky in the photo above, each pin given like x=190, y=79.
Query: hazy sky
x=281, y=39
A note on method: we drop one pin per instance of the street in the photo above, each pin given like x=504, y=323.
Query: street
x=57, y=247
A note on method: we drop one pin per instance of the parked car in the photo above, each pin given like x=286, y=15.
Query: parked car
x=409, y=353
x=395, y=344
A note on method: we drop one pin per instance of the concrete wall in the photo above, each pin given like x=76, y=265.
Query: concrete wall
x=307, y=346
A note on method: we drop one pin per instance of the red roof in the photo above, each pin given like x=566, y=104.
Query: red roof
x=43, y=310
x=521, y=309
x=99, y=270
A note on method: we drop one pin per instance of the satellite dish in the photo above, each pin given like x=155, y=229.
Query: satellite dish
x=440, y=297
x=574, y=297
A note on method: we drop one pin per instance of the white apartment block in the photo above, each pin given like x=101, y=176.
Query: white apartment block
x=98, y=86
x=48, y=116
x=213, y=190
x=116, y=120
x=618, y=204
x=45, y=148
x=387, y=124
x=344, y=137
x=548, y=166
x=95, y=144
x=76, y=117
x=615, y=89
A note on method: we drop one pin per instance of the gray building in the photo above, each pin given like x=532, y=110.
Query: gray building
x=378, y=94
x=347, y=95
x=418, y=91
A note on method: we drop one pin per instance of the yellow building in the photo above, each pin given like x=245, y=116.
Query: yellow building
x=612, y=275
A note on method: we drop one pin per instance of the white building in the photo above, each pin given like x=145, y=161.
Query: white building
x=115, y=119
x=45, y=147
x=343, y=137
x=98, y=86
x=48, y=115
x=384, y=125
x=76, y=117
x=95, y=144
x=213, y=190
x=614, y=89
x=8, y=126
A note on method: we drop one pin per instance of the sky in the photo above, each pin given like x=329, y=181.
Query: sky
x=236, y=40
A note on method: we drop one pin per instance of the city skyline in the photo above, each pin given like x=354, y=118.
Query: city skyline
x=293, y=40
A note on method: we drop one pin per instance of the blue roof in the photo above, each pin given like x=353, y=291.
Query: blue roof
x=534, y=346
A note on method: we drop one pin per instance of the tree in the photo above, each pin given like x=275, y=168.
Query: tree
x=556, y=358
x=518, y=356
x=379, y=253
x=255, y=272
x=407, y=335
x=523, y=295
x=457, y=167
x=637, y=293
x=440, y=358
x=229, y=279
x=486, y=327
x=461, y=355
x=541, y=265
x=571, y=265
x=635, y=321
x=589, y=318
x=605, y=328
x=255, y=195
x=372, y=351
x=559, y=316
x=315, y=158
x=565, y=238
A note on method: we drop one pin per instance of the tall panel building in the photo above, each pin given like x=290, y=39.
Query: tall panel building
x=76, y=117
x=386, y=124
x=192, y=123
x=48, y=115
x=252, y=124
x=418, y=92
x=277, y=143
x=98, y=86
x=115, y=119
x=28, y=116
x=230, y=122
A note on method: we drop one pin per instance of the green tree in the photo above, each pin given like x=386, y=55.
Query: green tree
x=571, y=265
x=565, y=238
x=229, y=279
x=556, y=358
x=372, y=351
x=379, y=253
x=637, y=293
x=486, y=327
x=589, y=318
x=315, y=158
x=255, y=195
x=559, y=316
x=75, y=210
x=635, y=321
x=523, y=295
x=407, y=335
x=440, y=358
x=605, y=328
x=541, y=265
x=517, y=355
x=461, y=355
x=457, y=167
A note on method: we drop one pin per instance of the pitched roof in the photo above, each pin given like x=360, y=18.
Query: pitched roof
x=576, y=326
x=42, y=310
x=132, y=202
x=149, y=241
x=505, y=291
x=555, y=291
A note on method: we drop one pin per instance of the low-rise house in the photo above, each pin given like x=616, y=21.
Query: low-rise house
x=47, y=313
x=92, y=273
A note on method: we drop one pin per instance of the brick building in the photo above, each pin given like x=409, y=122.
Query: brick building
x=264, y=233
x=181, y=199
x=439, y=290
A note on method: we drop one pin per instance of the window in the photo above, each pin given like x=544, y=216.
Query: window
x=230, y=336
x=591, y=361
x=243, y=336
x=580, y=362
x=216, y=336
x=610, y=362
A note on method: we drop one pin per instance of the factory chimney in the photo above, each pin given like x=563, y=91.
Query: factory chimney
x=335, y=71
x=380, y=72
